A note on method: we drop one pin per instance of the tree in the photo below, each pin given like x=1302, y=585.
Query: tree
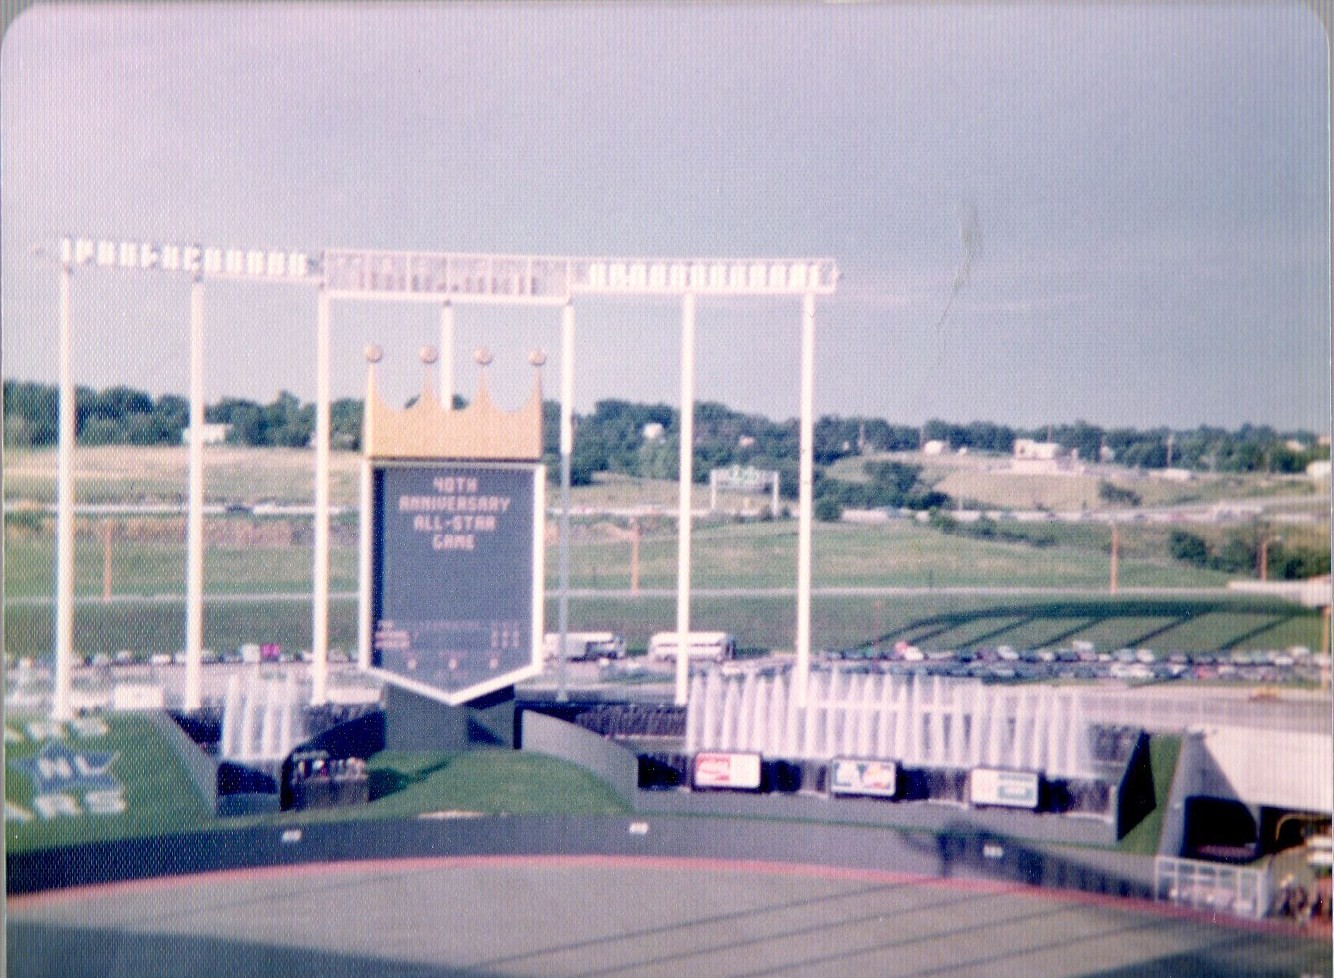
x=827, y=509
x=1188, y=547
x=115, y=403
x=345, y=423
x=38, y=405
x=1110, y=492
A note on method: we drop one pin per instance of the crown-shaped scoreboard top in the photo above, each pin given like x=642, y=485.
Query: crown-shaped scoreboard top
x=481, y=431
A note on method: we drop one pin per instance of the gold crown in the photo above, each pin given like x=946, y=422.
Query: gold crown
x=479, y=431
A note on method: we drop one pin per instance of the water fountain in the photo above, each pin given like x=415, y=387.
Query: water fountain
x=916, y=720
x=261, y=719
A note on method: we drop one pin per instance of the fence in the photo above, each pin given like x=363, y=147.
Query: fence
x=1200, y=885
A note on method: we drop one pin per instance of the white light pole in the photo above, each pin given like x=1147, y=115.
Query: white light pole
x=373, y=353
x=805, y=493
x=447, y=356
x=64, y=650
x=319, y=640
x=566, y=456
x=683, y=497
x=194, y=556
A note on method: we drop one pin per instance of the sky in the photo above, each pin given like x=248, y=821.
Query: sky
x=1114, y=212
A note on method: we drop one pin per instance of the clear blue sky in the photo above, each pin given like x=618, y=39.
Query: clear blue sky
x=1149, y=185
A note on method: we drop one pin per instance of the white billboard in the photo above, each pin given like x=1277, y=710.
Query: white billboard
x=736, y=771
x=854, y=776
x=1010, y=789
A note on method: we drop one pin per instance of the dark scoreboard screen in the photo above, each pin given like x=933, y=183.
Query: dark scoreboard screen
x=453, y=572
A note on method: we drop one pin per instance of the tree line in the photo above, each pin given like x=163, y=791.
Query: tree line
x=1240, y=552
x=643, y=439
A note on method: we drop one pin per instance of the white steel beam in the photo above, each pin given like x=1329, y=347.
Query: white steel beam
x=364, y=568
x=805, y=501
x=194, y=546
x=447, y=356
x=683, y=497
x=319, y=642
x=566, y=457
x=64, y=650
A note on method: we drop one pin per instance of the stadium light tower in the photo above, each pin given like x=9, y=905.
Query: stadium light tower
x=449, y=280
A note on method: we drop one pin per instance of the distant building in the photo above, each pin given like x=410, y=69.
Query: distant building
x=652, y=431
x=1318, y=470
x=1033, y=457
x=1028, y=448
x=211, y=434
x=933, y=448
x=1173, y=475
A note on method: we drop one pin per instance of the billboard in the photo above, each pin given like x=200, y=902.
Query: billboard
x=1010, y=789
x=851, y=776
x=456, y=588
x=737, y=771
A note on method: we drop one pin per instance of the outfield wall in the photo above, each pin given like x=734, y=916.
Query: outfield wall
x=967, y=855
x=619, y=768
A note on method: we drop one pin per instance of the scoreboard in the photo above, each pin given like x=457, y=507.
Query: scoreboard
x=456, y=571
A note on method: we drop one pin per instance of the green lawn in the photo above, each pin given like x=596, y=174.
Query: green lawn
x=931, y=621
x=724, y=555
x=1142, y=840
x=901, y=553
x=951, y=621
x=491, y=782
x=156, y=796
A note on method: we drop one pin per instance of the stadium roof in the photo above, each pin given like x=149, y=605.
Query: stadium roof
x=1277, y=768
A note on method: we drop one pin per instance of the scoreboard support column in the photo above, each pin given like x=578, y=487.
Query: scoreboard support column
x=64, y=651
x=319, y=638
x=686, y=478
x=364, y=571
x=806, y=482
x=194, y=556
x=566, y=455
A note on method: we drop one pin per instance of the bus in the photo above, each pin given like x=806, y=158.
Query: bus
x=585, y=645
x=718, y=646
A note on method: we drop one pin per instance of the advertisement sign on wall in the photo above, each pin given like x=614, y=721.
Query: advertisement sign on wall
x=1011, y=789
x=851, y=776
x=455, y=600
x=737, y=771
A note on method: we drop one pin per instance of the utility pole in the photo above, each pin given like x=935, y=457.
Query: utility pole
x=1116, y=553
x=1264, y=556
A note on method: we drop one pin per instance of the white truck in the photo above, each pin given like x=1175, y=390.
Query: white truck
x=584, y=645
x=718, y=646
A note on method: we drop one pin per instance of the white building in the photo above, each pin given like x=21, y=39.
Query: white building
x=212, y=434
x=1028, y=448
x=1044, y=458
